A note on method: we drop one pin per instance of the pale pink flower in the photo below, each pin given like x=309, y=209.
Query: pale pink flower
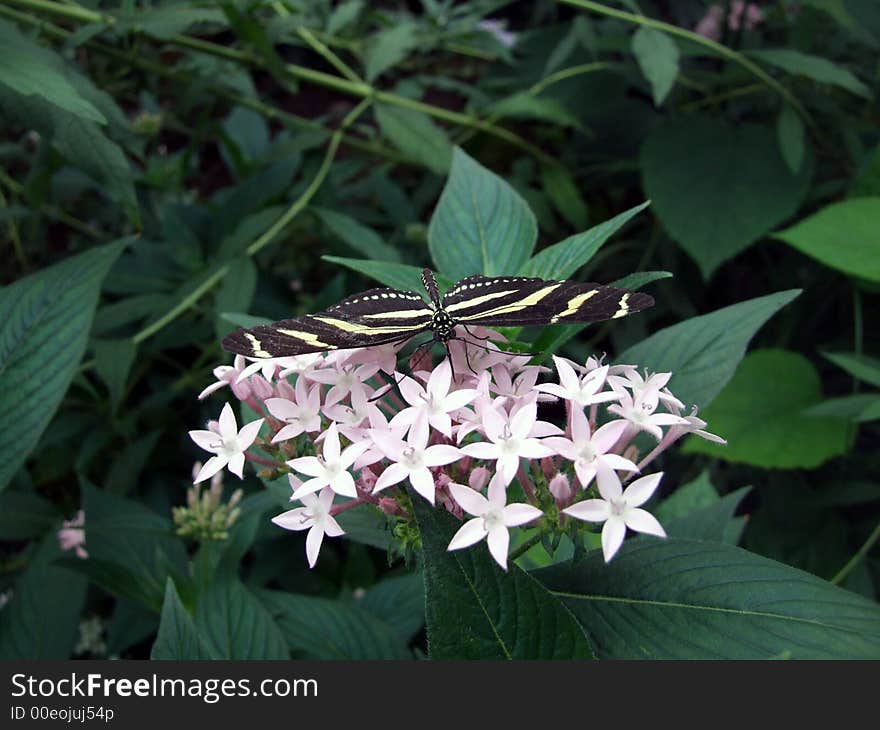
x=412, y=459
x=581, y=391
x=228, y=375
x=619, y=509
x=299, y=415
x=434, y=402
x=589, y=451
x=315, y=517
x=331, y=469
x=509, y=440
x=227, y=443
x=641, y=413
x=72, y=536
x=385, y=356
x=493, y=516
x=301, y=364
x=342, y=379
x=350, y=417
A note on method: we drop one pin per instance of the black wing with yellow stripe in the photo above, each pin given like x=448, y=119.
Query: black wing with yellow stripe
x=373, y=317
x=520, y=301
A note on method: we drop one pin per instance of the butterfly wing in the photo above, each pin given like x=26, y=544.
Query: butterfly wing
x=521, y=301
x=373, y=317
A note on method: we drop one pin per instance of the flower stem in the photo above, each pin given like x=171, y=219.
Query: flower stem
x=857, y=558
x=520, y=550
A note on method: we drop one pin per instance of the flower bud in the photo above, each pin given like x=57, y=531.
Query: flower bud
x=479, y=478
x=261, y=387
x=560, y=488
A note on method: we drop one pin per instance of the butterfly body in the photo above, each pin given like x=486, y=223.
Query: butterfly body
x=381, y=316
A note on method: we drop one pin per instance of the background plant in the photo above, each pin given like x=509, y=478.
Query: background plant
x=168, y=167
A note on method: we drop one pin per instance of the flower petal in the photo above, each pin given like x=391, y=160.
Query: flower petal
x=207, y=440
x=236, y=464
x=227, y=425
x=642, y=521
x=608, y=435
x=313, y=544
x=423, y=483
x=331, y=444
x=519, y=514
x=294, y=519
x=441, y=454
x=640, y=491
x=392, y=475
x=470, y=533
x=481, y=450
x=343, y=483
x=210, y=468
x=498, y=540
x=308, y=465
x=608, y=482
x=612, y=536
x=470, y=500
x=249, y=433
x=590, y=510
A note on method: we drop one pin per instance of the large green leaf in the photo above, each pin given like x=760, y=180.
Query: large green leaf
x=475, y=610
x=703, y=352
x=844, y=236
x=415, y=134
x=178, y=638
x=42, y=619
x=563, y=259
x=761, y=414
x=715, y=216
x=360, y=238
x=25, y=515
x=813, y=67
x=481, y=224
x=44, y=326
x=236, y=625
x=862, y=367
x=132, y=550
x=686, y=599
x=399, y=601
x=657, y=56
x=321, y=628
x=388, y=47
x=31, y=69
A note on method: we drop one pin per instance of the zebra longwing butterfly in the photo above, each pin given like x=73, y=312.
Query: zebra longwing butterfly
x=381, y=316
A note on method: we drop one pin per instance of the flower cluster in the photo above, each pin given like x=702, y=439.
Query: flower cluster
x=206, y=516
x=466, y=435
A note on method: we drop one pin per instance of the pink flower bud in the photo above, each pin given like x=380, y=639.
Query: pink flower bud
x=479, y=478
x=214, y=426
x=390, y=507
x=367, y=481
x=286, y=391
x=241, y=390
x=261, y=387
x=560, y=488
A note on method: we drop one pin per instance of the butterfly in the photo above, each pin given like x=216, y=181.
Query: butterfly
x=382, y=316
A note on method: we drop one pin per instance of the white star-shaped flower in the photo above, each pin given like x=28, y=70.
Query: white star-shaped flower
x=640, y=411
x=299, y=415
x=433, y=402
x=315, y=517
x=492, y=518
x=227, y=443
x=331, y=469
x=619, y=509
x=587, y=450
x=509, y=439
x=412, y=459
x=583, y=391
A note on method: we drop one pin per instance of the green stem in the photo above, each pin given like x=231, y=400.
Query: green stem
x=328, y=55
x=267, y=237
x=723, y=96
x=717, y=48
x=522, y=549
x=567, y=73
x=857, y=558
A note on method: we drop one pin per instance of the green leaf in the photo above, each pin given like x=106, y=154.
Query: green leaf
x=856, y=408
x=44, y=318
x=236, y=291
x=525, y=105
x=657, y=56
x=178, y=638
x=686, y=599
x=388, y=48
x=714, y=522
x=416, y=135
x=344, y=15
x=367, y=525
x=362, y=239
x=761, y=416
x=24, y=515
x=702, y=352
x=113, y=361
x=133, y=549
x=562, y=190
x=563, y=259
x=813, y=67
x=399, y=602
x=166, y=22
x=42, y=619
x=236, y=625
x=480, y=224
x=714, y=217
x=638, y=279
x=475, y=610
x=320, y=628
x=248, y=132
x=397, y=276
x=861, y=367
x=31, y=69
x=844, y=236
x=791, y=134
